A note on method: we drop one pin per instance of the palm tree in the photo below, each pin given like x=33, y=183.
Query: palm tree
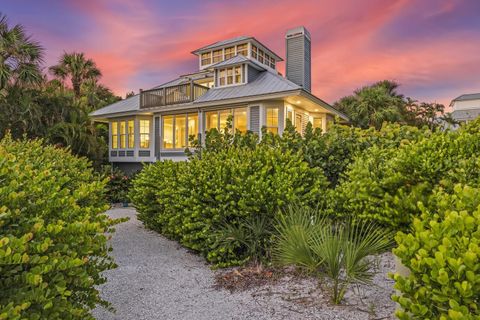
x=76, y=67
x=20, y=56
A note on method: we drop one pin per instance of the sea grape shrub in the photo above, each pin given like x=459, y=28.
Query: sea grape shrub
x=191, y=201
x=385, y=184
x=53, y=233
x=442, y=253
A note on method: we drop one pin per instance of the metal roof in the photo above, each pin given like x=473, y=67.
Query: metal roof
x=265, y=83
x=236, y=60
x=174, y=82
x=126, y=105
x=223, y=43
x=466, y=114
x=464, y=97
x=233, y=41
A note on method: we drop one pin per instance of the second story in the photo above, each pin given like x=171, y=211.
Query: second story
x=466, y=107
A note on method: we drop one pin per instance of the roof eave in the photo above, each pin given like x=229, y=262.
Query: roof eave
x=309, y=95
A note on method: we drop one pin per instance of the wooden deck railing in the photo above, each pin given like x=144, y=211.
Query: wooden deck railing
x=165, y=96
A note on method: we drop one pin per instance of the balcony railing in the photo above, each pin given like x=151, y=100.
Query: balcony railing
x=165, y=96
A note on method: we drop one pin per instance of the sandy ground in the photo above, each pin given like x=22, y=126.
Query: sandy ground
x=158, y=279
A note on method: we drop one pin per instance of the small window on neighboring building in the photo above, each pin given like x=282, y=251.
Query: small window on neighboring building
x=254, y=52
x=206, y=58
x=260, y=55
x=144, y=134
x=131, y=134
x=217, y=56
x=114, y=135
x=272, y=119
x=242, y=49
x=229, y=52
x=123, y=135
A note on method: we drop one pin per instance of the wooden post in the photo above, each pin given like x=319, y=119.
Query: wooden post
x=192, y=90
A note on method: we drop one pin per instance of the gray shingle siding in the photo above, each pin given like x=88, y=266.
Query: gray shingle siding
x=298, y=65
x=255, y=119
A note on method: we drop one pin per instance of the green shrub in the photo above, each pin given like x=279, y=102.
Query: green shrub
x=443, y=255
x=385, y=184
x=118, y=184
x=191, y=201
x=341, y=250
x=53, y=242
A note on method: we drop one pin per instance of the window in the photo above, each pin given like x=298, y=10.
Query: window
x=229, y=52
x=230, y=76
x=218, y=119
x=123, y=135
x=131, y=134
x=114, y=135
x=238, y=74
x=192, y=127
x=176, y=132
x=254, y=52
x=242, y=49
x=217, y=55
x=240, y=119
x=290, y=115
x=206, y=58
x=167, y=132
x=180, y=131
x=260, y=55
x=272, y=63
x=212, y=120
x=144, y=134
x=272, y=120
x=267, y=59
x=221, y=75
x=298, y=123
x=317, y=123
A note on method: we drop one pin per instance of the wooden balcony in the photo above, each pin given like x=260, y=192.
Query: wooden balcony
x=165, y=96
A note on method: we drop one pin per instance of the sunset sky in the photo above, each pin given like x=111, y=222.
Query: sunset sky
x=431, y=47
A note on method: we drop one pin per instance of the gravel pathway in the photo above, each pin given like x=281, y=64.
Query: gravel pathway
x=158, y=279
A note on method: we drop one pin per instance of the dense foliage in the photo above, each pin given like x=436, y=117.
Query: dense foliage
x=384, y=184
x=443, y=256
x=53, y=233
x=189, y=201
x=118, y=184
x=371, y=106
x=33, y=106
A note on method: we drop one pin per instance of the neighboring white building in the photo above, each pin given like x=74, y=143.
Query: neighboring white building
x=466, y=107
x=236, y=77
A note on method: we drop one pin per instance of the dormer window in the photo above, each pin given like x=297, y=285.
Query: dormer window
x=242, y=49
x=206, y=58
x=230, y=76
x=272, y=63
x=260, y=55
x=217, y=56
x=254, y=52
x=229, y=52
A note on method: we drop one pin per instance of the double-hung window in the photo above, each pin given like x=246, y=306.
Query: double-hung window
x=260, y=55
x=206, y=58
x=131, y=134
x=242, y=49
x=229, y=52
x=254, y=52
x=272, y=62
x=229, y=76
x=218, y=119
x=114, y=135
x=123, y=135
x=217, y=56
x=178, y=129
x=272, y=119
x=144, y=134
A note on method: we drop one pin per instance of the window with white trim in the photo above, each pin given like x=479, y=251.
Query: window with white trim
x=144, y=134
x=218, y=119
x=206, y=58
x=271, y=121
x=114, y=135
x=177, y=129
x=242, y=49
x=217, y=55
x=230, y=76
x=229, y=52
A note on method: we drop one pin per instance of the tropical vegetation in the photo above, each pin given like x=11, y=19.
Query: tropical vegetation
x=53, y=233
